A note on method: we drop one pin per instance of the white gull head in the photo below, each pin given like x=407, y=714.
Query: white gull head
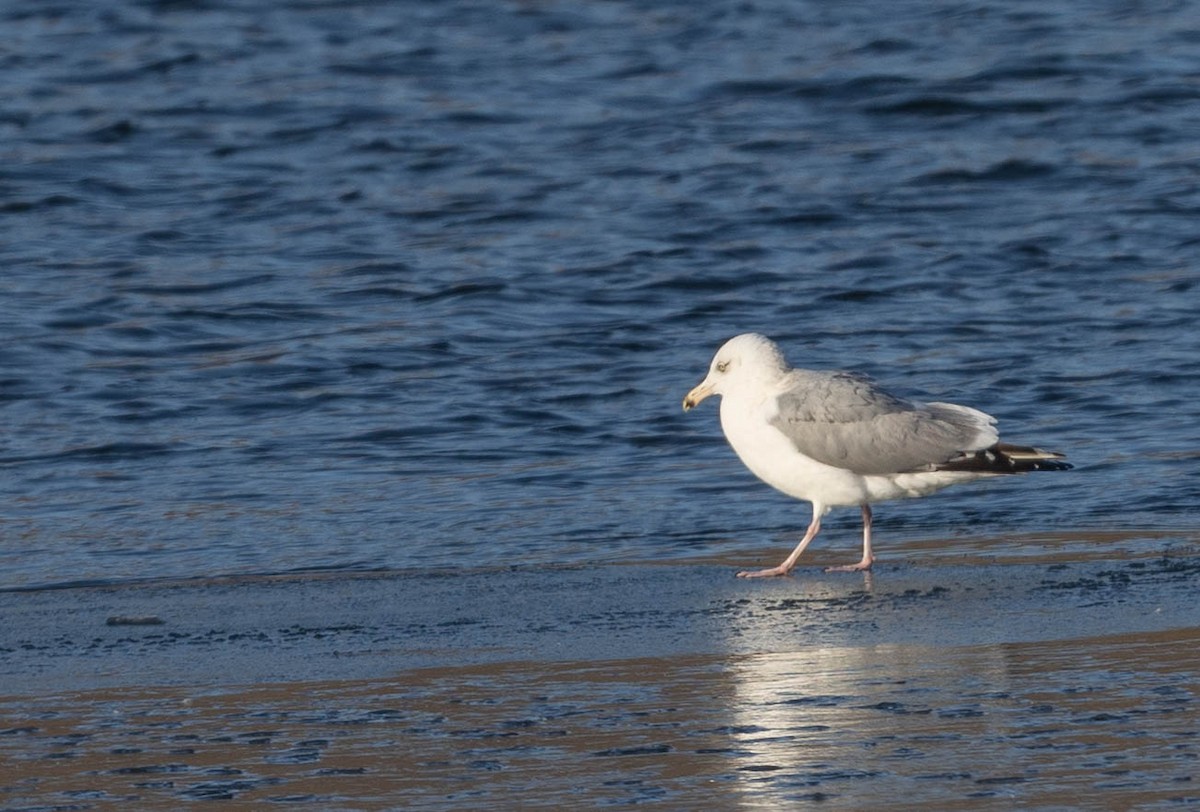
x=746, y=359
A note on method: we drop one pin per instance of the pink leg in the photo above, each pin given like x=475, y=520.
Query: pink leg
x=868, y=556
x=783, y=569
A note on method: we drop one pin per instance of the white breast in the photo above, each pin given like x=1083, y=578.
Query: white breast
x=773, y=458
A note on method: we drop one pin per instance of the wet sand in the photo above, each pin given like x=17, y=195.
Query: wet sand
x=1052, y=672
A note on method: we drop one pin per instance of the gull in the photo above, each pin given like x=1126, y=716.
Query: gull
x=836, y=439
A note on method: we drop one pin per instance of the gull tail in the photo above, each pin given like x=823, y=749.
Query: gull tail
x=1003, y=458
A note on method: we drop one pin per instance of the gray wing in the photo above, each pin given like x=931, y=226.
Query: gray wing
x=846, y=421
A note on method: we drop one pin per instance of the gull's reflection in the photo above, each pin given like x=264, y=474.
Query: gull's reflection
x=824, y=721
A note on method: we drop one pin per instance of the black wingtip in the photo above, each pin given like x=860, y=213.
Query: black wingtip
x=1052, y=465
x=1008, y=459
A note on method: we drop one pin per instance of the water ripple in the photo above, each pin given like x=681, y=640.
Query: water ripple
x=417, y=276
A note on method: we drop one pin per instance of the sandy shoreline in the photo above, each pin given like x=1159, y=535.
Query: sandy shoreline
x=231, y=631
x=661, y=684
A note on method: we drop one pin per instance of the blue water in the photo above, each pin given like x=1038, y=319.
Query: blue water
x=417, y=285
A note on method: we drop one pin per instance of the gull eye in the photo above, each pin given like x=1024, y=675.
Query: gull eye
x=722, y=366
